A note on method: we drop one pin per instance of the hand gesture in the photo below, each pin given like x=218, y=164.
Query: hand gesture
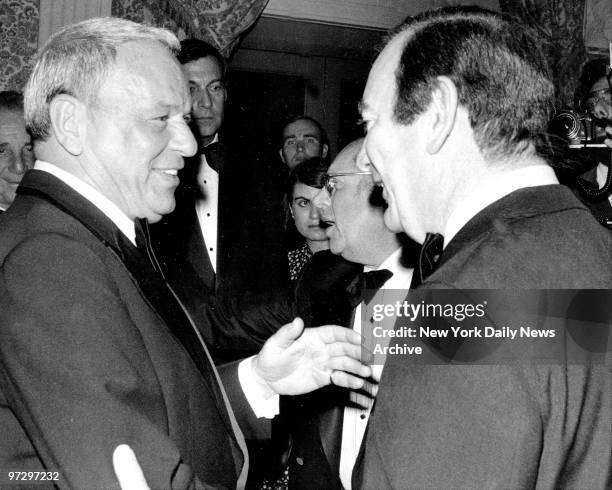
x=297, y=360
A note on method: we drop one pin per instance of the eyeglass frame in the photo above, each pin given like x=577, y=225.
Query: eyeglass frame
x=326, y=179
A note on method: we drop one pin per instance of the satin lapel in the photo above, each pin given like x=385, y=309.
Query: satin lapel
x=330, y=431
x=224, y=222
x=149, y=282
x=330, y=421
x=196, y=250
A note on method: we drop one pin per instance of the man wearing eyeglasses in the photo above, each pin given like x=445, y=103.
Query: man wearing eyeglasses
x=327, y=427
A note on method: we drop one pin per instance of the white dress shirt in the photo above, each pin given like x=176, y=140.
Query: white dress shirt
x=356, y=419
x=207, y=207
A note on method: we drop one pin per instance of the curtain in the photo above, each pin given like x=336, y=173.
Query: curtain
x=560, y=23
x=18, y=42
x=219, y=22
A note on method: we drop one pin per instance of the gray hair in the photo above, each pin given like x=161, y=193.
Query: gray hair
x=75, y=60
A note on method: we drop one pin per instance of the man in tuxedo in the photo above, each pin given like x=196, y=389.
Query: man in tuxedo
x=16, y=155
x=326, y=427
x=220, y=238
x=95, y=348
x=453, y=107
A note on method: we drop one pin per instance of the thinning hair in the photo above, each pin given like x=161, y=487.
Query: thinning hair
x=11, y=101
x=497, y=66
x=76, y=59
x=193, y=49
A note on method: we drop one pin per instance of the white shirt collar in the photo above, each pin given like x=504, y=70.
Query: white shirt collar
x=402, y=276
x=110, y=209
x=493, y=190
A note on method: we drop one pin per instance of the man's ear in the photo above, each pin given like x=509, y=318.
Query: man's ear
x=442, y=113
x=324, y=151
x=67, y=116
x=282, y=157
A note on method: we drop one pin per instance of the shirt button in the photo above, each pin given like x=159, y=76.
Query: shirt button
x=299, y=461
x=210, y=249
x=362, y=416
x=207, y=214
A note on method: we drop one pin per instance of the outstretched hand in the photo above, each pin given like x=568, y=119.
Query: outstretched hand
x=296, y=360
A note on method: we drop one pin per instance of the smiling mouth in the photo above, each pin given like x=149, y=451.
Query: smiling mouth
x=173, y=172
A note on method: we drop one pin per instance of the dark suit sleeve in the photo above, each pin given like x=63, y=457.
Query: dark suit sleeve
x=237, y=326
x=75, y=370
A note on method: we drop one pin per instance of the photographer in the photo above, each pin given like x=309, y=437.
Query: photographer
x=585, y=159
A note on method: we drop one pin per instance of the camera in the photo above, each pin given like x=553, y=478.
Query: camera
x=579, y=130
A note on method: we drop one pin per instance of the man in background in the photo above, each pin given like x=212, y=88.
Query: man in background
x=326, y=427
x=303, y=137
x=16, y=154
x=219, y=239
x=454, y=106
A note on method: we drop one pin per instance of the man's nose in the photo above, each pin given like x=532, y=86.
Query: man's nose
x=182, y=140
x=322, y=202
x=203, y=98
x=19, y=165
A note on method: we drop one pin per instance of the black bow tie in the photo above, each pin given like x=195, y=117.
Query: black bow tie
x=214, y=156
x=365, y=285
x=428, y=258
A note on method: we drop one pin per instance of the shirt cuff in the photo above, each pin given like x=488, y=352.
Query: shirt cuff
x=260, y=396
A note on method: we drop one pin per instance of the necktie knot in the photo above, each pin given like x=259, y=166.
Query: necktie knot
x=365, y=285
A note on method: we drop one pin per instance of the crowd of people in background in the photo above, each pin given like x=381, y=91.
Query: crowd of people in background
x=158, y=291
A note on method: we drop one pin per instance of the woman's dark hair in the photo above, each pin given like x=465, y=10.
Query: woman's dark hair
x=309, y=172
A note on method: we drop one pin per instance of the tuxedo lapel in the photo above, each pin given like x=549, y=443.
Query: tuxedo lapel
x=330, y=432
x=149, y=282
x=541, y=200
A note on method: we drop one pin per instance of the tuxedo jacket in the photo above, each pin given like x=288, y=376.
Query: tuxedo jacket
x=251, y=254
x=492, y=426
x=309, y=427
x=95, y=351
